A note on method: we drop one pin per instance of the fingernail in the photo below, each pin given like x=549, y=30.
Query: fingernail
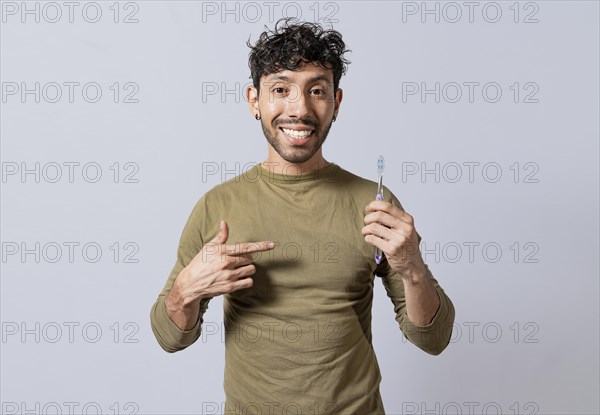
x=271, y=245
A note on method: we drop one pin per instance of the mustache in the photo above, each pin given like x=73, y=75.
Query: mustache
x=298, y=121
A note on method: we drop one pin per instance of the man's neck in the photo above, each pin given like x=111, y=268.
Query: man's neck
x=278, y=165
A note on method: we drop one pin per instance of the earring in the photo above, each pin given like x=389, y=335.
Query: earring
x=257, y=117
x=334, y=118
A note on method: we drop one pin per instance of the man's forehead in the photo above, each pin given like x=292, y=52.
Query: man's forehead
x=306, y=73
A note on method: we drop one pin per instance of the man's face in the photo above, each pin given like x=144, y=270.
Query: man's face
x=297, y=109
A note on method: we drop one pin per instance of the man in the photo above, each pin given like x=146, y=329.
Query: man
x=290, y=244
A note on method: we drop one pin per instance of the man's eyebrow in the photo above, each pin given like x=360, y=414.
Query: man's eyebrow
x=319, y=78
x=310, y=80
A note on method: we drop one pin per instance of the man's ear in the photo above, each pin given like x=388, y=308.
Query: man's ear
x=252, y=98
x=339, y=94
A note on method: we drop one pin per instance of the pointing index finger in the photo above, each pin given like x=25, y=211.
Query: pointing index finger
x=249, y=247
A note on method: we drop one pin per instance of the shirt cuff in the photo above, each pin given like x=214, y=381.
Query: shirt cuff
x=170, y=337
x=435, y=336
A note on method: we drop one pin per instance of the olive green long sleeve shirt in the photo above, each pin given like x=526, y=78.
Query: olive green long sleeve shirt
x=299, y=340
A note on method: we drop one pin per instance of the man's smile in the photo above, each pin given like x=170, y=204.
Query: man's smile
x=297, y=136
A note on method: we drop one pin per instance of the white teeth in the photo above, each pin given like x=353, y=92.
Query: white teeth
x=297, y=134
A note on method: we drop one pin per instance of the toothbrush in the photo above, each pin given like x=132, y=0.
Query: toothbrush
x=379, y=196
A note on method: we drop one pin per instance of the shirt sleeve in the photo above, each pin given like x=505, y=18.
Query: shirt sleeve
x=434, y=337
x=170, y=337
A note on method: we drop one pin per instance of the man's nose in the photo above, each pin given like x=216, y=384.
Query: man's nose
x=298, y=103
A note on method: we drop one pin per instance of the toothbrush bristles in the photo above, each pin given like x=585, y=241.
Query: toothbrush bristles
x=380, y=165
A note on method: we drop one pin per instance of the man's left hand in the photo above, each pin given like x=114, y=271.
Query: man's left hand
x=392, y=230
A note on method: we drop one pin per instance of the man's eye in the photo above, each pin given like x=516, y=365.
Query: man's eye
x=318, y=91
x=279, y=90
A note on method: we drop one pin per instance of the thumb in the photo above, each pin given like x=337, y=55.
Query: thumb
x=223, y=234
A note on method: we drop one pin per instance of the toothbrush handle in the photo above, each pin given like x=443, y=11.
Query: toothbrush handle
x=378, y=253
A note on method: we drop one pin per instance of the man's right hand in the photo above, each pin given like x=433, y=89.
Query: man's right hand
x=217, y=269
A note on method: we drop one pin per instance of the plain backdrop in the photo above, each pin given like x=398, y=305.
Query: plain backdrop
x=486, y=114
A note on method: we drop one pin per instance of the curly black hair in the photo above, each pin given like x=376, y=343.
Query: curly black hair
x=289, y=45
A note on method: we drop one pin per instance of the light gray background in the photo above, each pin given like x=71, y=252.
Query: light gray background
x=544, y=360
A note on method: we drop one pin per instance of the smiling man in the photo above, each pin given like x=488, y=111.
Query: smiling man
x=295, y=129
x=290, y=246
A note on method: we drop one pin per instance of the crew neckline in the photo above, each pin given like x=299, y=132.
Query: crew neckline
x=316, y=175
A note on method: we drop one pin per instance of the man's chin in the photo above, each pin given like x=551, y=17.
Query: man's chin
x=295, y=154
x=297, y=158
